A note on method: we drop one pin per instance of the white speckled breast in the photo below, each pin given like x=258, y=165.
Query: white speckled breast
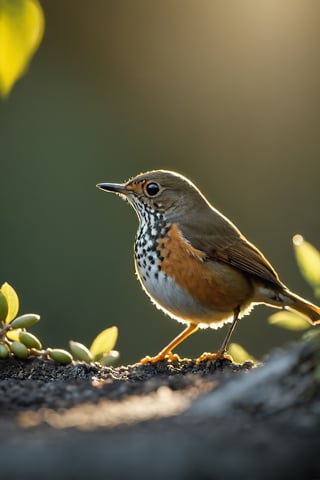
x=164, y=292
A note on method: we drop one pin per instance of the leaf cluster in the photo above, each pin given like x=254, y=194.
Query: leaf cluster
x=308, y=261
x=16, y=340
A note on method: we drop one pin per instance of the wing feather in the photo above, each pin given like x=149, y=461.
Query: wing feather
x=231, y=247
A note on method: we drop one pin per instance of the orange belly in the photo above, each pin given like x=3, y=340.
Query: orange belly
x=214, y=285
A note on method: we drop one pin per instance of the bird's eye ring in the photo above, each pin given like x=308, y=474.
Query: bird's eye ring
x=152, y=189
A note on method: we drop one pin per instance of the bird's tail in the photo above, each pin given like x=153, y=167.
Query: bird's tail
x=308, y=309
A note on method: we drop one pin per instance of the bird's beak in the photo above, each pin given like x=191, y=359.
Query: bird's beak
x=113, y=187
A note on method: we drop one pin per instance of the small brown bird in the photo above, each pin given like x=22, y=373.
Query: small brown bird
x=194, y=264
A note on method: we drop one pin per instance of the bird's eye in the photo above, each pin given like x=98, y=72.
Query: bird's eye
x=152, y=189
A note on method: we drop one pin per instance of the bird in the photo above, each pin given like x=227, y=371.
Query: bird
x=195, y=264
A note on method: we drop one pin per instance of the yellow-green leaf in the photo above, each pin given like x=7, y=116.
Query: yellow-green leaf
x=3, y=307
x=239, y=354
x=308, y=259
x=289, y=320
x=14, y=335
x=21, y=31
x=12, y=299
x=104, y=342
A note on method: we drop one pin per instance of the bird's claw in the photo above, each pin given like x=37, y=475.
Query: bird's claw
x=214, y=357
x=168, y=356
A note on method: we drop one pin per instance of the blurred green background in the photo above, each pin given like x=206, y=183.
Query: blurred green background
x=226, y=93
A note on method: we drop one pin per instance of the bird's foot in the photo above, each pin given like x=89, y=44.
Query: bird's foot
x=168, y=356
x=214, y=357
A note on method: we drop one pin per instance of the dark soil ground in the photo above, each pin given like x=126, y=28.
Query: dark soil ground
x=176, y=420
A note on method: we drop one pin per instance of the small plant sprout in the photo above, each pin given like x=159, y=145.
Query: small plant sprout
x=16, y=341
x=101, y=349
x=240, y=355
x=14, y=338
x=81, y=352
x=308, y=260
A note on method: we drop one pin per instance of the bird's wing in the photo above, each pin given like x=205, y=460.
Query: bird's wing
x=246, y=257
x=234, y=249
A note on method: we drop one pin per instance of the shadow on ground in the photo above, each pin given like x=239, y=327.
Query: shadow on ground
x=176, y=420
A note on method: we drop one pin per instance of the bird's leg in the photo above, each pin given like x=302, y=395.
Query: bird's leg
x=166, y=353
x=223, y=348
x=221, y=353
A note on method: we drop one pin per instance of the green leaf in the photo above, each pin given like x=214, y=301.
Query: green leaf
x=80, y=352
x=110, y=358
x=289, y=320
x=21, y=31
x=60, y=355
x=29, y=340
x=308, y=259
x=12, y=299
x=4, y=351
x=19, y=349
x=104, y=342
x=25, y=321
x=239, y=354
